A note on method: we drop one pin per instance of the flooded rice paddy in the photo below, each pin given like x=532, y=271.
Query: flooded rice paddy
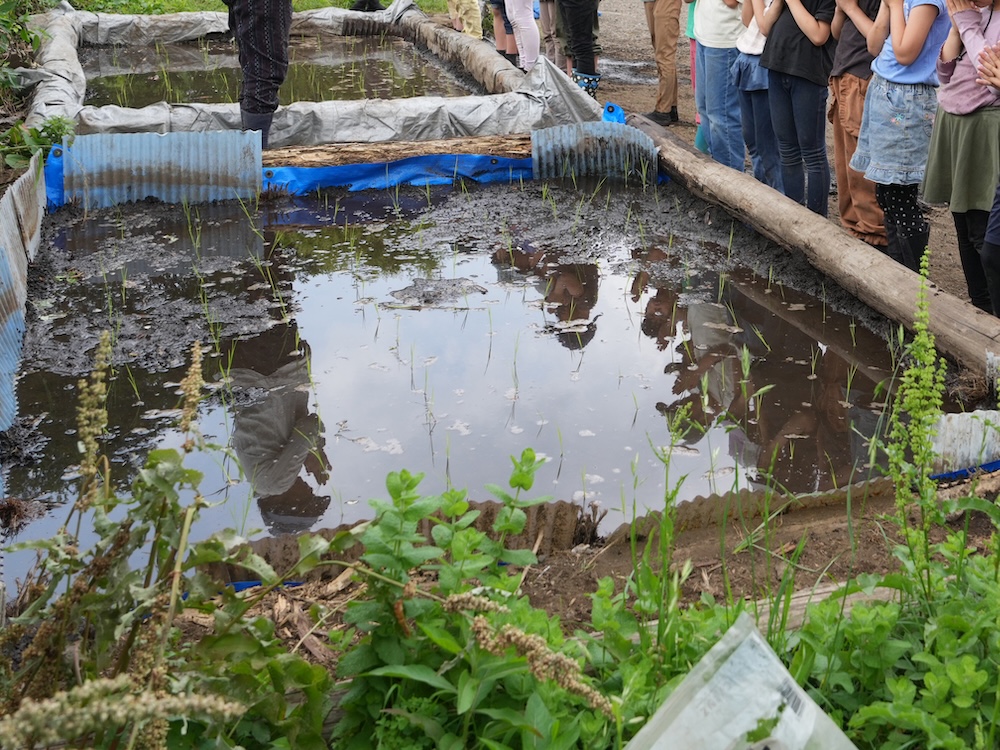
x=321, y=68
x=642, y=341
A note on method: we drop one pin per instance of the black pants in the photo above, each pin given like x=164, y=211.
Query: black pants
x=577, y=17
x=261, y=29
x=970, y=230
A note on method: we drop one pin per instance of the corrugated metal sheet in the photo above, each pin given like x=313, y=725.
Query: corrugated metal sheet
x=20, y=226
x=593, y=149
x=106, y=169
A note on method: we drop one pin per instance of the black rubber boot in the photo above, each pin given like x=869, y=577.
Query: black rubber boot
x=368, y=6
x=892, y=249
x=256, y=121
x=914, y=248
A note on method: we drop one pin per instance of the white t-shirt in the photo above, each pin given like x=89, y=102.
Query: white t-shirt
x=716, y=24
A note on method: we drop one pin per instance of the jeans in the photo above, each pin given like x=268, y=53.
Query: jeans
x=718, y=104
x=798, y=115
x=759, y=137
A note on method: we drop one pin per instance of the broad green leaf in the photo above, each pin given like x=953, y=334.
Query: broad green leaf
x=468, y=693
x=415, y=672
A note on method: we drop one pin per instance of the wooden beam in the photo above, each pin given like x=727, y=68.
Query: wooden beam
x=506, y=146
x=962, y=333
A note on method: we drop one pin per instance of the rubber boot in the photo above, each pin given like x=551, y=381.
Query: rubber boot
x=587, y=82
x=367, y=6
x=914, y=248
x=893, y=249
x=256, y=121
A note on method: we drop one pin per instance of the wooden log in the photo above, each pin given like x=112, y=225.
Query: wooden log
x=962, y=333
x=516, y=146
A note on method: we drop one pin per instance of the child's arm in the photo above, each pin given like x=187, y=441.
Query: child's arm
x=967, y=30
x=817, y=32
x=909, y=34
x=766, y=18
x=837, y=25
x=850, y=9
x=952, y=46
x=747, y=13
x=879, y=30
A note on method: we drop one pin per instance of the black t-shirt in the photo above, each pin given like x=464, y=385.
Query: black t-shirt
x=787, y=49
x=852, y=54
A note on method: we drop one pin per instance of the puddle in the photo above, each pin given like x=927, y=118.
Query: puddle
x=442, y=330
x=321, y=68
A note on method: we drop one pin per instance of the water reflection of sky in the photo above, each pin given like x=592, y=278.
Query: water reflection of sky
x=585, y=362
x=207, y=72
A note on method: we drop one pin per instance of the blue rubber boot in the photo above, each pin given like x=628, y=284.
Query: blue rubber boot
x=587, y=82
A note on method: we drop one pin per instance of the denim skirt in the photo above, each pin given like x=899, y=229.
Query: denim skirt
x=747, y=73
x=895, y=132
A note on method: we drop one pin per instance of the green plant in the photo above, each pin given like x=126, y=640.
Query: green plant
x=462, y=661
x=133, y=680
x=919, y=671
x=18, y=144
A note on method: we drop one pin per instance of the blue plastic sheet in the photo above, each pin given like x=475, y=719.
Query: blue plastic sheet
x=416, y=170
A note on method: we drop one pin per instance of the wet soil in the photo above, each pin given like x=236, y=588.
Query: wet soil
x=838, y=544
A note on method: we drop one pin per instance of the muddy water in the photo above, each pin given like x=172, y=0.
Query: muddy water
x=320, y=69
x=645, y=343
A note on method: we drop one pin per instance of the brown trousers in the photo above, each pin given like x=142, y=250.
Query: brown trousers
x=859, y=211
x=663, y=17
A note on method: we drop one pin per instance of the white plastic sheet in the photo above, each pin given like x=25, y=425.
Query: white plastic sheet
x=739, y=685
x=543, y=98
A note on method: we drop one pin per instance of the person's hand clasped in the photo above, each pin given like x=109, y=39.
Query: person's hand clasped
x=956, y=6
x=989, y=66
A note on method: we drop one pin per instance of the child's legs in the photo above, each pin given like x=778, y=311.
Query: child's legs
x=859, y=211
x=663, y=21
x=577, y=17
x=809, y=116
x=905, y=224
x=779, y=99
x=699, y=95
x=970, y=231
x=499, y=30
x=553, y=49
x=471, y=18
x=722, y=106
x=764, y=140
x=991, y=253
x=522, y=17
